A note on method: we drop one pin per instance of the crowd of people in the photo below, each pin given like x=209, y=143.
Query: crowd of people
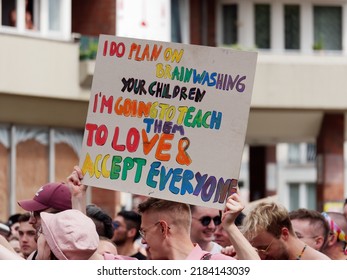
x=59, y=225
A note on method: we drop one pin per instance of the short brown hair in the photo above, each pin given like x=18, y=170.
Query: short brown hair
x=178, y=212
x=24, y=217
x=315, y=218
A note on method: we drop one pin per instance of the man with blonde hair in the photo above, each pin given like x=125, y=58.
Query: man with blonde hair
x=269, y=229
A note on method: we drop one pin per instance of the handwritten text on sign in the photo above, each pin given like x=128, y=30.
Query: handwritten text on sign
x=167, y=120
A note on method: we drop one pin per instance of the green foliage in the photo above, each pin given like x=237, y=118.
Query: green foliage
x=318, y=45
x=238, y=47
x=88, y=47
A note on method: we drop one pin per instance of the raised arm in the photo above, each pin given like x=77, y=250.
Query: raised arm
x=244, y=250
x=6, y=250
x=5, y=243
x=78, y=190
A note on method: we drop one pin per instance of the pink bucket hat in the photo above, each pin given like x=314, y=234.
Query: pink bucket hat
x=55, y=195
x=70, y=234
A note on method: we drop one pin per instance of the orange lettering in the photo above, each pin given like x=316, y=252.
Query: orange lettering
x=164, y=146
x=148, y=144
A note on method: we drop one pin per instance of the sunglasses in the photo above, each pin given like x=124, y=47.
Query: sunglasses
x=206, y=220
x=116, y=225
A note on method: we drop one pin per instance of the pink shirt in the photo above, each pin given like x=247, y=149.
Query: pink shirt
x=197, y=253
x=108, y=256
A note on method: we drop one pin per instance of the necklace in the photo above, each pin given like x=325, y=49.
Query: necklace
x=302, y=252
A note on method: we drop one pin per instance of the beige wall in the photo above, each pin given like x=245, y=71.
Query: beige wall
x=39, y=67
x=300, y=82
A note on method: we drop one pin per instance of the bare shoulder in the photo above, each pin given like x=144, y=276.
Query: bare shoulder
x=313, y=254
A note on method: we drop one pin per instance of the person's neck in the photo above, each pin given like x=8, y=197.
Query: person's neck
x=127, y=249
x=182, y=250
x=97, y=256
x=297, y=249
x=336, y=253
x=206, y=245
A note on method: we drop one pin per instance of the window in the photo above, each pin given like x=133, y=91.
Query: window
x=179, y=21
x=311, y=196
x=20, y=14
x=45, y=18
x=8, y=13
x=176, y=35
x=54, y=15
x=229, y=24
x=294, y=196
x=294, y=153
x=311, y=152
x=292, y=27
x=262, y=26
x=302, y=195
x=327, y=27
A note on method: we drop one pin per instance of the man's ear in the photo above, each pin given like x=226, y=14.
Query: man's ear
x=331, y=239
x=164, y=228
x=131, y=233
x=319, y=240
x=284, y=233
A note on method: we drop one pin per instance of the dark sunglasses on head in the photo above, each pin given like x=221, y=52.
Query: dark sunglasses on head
x=206, y=220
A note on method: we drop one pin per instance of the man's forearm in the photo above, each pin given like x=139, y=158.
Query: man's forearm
x=244, y=250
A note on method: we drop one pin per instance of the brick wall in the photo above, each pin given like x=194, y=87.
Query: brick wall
x=200, y=24
x=330, y=161
x=90, y=17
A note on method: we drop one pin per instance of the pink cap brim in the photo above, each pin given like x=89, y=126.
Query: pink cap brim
x=32, y=205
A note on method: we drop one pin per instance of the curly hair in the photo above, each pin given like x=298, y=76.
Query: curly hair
x=102, y=220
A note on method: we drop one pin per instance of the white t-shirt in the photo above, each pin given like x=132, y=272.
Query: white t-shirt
x=216, y=248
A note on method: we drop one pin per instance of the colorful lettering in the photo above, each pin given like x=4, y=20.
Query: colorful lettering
x=146, y=53
x=114, y=49
x=119, y=168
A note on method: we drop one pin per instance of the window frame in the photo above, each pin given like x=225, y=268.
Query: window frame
x=41, y=20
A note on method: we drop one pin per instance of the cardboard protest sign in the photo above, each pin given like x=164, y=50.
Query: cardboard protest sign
x=167, y=120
